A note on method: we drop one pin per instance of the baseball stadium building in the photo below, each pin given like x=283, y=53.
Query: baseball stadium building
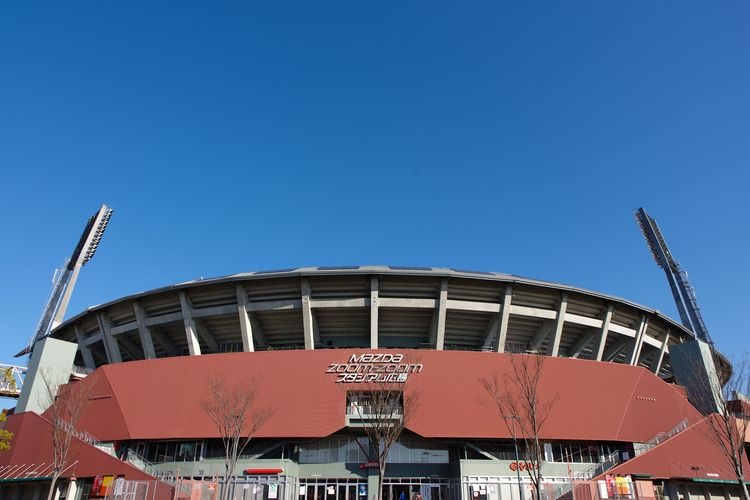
x=308, y=340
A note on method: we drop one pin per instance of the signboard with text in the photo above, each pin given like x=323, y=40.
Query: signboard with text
x=374, y=368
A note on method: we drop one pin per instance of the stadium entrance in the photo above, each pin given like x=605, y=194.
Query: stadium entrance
x=393, y=489
x=426, y=488
x=332, y=489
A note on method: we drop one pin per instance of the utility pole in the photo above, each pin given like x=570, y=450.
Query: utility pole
x=513, y=419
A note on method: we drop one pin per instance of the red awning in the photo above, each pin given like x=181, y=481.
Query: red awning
x=263, y=472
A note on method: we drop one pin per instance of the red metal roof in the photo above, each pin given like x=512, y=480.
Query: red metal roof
x=693, y=454
x=30, y=456
x=159, y=399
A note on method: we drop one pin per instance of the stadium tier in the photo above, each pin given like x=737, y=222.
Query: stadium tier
x=374, y=307
x=325, y=355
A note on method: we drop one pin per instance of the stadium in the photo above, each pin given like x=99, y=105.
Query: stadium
x=308, y=339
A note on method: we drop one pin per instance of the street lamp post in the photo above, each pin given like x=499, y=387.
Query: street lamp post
x=513, y=419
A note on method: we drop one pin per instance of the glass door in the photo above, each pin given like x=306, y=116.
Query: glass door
x=347, y=492
x=315, y=492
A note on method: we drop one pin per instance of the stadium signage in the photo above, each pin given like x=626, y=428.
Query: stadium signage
x=372, y=367
x=514, y=466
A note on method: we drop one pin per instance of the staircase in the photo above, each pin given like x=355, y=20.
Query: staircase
x=641, y=448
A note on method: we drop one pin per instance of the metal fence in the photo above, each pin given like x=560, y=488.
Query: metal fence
x=504, y=488
x=256, y=488
x=196, y=490
x=131, y=490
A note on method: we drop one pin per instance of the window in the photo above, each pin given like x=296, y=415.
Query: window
x=417, y=451
x=374, y=405
x=334, y=449
x=571, y=451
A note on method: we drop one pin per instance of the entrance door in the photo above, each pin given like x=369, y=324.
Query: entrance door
x=316, y=492
x=407, y=491
x=398, y=492
x=346, y=492
x=434, y=492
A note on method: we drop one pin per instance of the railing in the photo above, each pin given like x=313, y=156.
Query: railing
x=461, y=347
x=280, y=347
x=137, y=460
x=82, y=435
x=373, y=411
x=601, y=467
x=516, y=347
x=661, y=437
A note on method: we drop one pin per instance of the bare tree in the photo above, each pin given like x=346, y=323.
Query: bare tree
x=384, y=409
x=230, y=408
x=517, y=399
x=728, y=427
x=65, y=407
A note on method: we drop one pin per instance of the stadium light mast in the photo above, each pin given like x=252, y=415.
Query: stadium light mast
x=65, y=279
x=696, y=365
x=682, y=291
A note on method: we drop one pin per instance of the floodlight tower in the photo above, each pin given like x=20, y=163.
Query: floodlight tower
x=696, y=364
x=682, y=291
x=65, y=279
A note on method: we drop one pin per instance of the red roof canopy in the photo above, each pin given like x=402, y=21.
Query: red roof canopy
x=160, y=398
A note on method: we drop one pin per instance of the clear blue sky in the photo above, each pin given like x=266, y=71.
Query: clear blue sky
x=505, y=136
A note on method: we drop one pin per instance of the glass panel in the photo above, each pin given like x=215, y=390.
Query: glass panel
x=187, y=451
x=311, y=492
x=151, y=452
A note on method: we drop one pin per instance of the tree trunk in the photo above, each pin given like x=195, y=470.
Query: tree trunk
x=743, y=489
x=381, y=475
x=52, y=487
x=227, y=479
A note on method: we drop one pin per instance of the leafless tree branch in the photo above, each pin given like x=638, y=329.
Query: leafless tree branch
x=385, y=409
x=516, y=398
x=230, y=408
x=66, y=405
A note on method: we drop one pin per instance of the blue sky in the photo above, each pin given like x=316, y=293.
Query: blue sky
x=505, y=136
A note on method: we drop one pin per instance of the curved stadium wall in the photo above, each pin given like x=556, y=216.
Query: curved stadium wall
x=607, y=362
x=373, y=307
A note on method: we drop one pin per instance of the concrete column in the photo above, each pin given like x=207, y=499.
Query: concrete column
x=693, y=367
x=656, y=364
x=307, y=316
x=88, y=358
x=373, y=484
x=559, y=322
x=582, y=342
x=52, y=359
x=257, y=329
x=109, y=341
x=638, y=340
x=162, y=339
x=491, y=332
x=504, y=317
x=63, y=306
x=374, y=306
x=191, y=329
x=545, y=328
x=72, y=489
x=441, y=313
x=604, y=331
x=611, y=353
x=144, y=332
x=246, y=327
